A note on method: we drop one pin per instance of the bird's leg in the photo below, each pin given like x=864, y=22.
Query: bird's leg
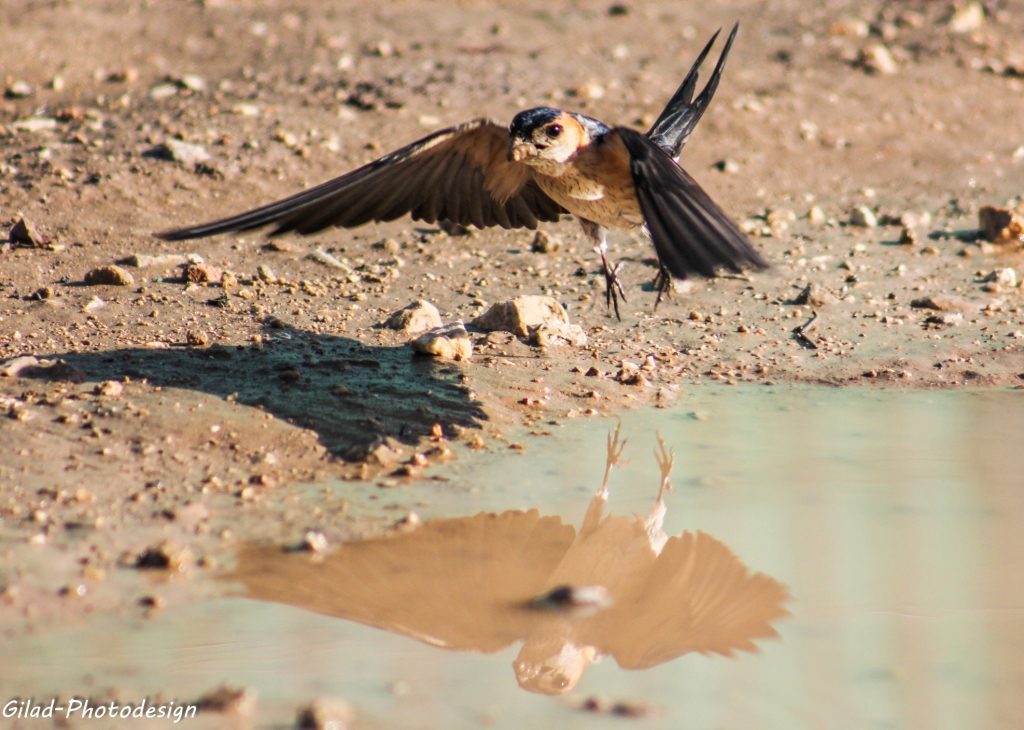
x=595, y=510
x=666, y=460
x=663, y=283
x=614, y=459
x=598, y=235
x=656, y=519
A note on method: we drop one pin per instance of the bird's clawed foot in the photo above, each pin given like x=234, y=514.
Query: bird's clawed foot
x=663, y=284
x=615, y=449
x=613, y=287
x=666, y=460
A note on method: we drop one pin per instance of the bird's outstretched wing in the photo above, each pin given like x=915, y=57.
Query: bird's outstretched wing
x=691, y=234
x=698, y=597
x=673, y=128
x=462, y=583
x=461, y=174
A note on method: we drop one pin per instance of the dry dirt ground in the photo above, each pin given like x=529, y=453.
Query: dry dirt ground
x=904, y=108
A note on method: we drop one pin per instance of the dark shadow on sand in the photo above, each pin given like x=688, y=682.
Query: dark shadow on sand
x=352, y=395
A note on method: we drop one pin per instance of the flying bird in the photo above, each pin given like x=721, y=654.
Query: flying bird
x=546, y=163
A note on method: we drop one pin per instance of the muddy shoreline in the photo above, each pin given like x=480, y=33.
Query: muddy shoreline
x=190, y=414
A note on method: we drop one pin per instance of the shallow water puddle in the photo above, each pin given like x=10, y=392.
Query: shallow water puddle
x=888, y=524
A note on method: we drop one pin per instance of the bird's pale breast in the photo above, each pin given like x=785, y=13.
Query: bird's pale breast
x=610, y=205
x=596, y=184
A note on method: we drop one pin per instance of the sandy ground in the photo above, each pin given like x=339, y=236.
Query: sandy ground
x=287, y=382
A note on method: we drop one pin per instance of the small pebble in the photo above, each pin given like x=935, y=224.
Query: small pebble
x=543, y=242
x=202, y=274
x=109, y=276
x=729, y=167
x=197, y=338
x=816, y=216
x=450, y=343
x=863, y=217
x=589, y=90
x=181, y=152
x=967, y=19
x=326, y=713
x=315, y=542
x=19, y=90
x=876, y=58
x=110, y=389
x=419, y=316
x=23, y=233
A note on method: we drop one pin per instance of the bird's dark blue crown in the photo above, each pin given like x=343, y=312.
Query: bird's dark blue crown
x=526, y=121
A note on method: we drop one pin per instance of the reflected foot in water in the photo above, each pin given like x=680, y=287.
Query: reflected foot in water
x=479, y=583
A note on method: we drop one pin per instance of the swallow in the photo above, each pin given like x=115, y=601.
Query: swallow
x=545, y=164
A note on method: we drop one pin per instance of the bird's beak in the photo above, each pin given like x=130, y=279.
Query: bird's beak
x=519, y=149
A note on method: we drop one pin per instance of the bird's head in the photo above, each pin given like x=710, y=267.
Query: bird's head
x=544, y=135
x=550, y=664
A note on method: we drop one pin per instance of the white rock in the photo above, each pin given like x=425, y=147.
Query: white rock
x=450, y=343
x=328, y=260
x=192, y=82
x=914, y=220
x=808, y=131
x=519, y=314
x=183, y=152
x=162, y=91
x=11, y=368
x=1003, y=277
x=863, y=217
x=20, y=90
x=876, y=58
x=967, y=19
x=417, y=317
x=35, y=124
x=556, y=334
x=143, y=261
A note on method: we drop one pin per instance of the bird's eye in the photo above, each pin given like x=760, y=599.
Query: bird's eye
x=554, y=130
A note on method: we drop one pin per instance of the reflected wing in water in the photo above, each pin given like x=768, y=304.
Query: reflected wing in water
x=458, y=583
x=698, y=597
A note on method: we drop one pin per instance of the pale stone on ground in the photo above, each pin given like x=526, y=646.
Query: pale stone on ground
x=816, y=296
x=420, y=316
x=521, y=313
x=944, y=303
x=558, y=333
x=109, y=275
x=450, y=343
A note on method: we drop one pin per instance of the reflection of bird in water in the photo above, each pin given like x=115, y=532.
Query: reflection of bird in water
x=473, y=583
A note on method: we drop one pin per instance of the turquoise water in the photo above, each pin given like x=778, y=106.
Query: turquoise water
x=894, y=519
